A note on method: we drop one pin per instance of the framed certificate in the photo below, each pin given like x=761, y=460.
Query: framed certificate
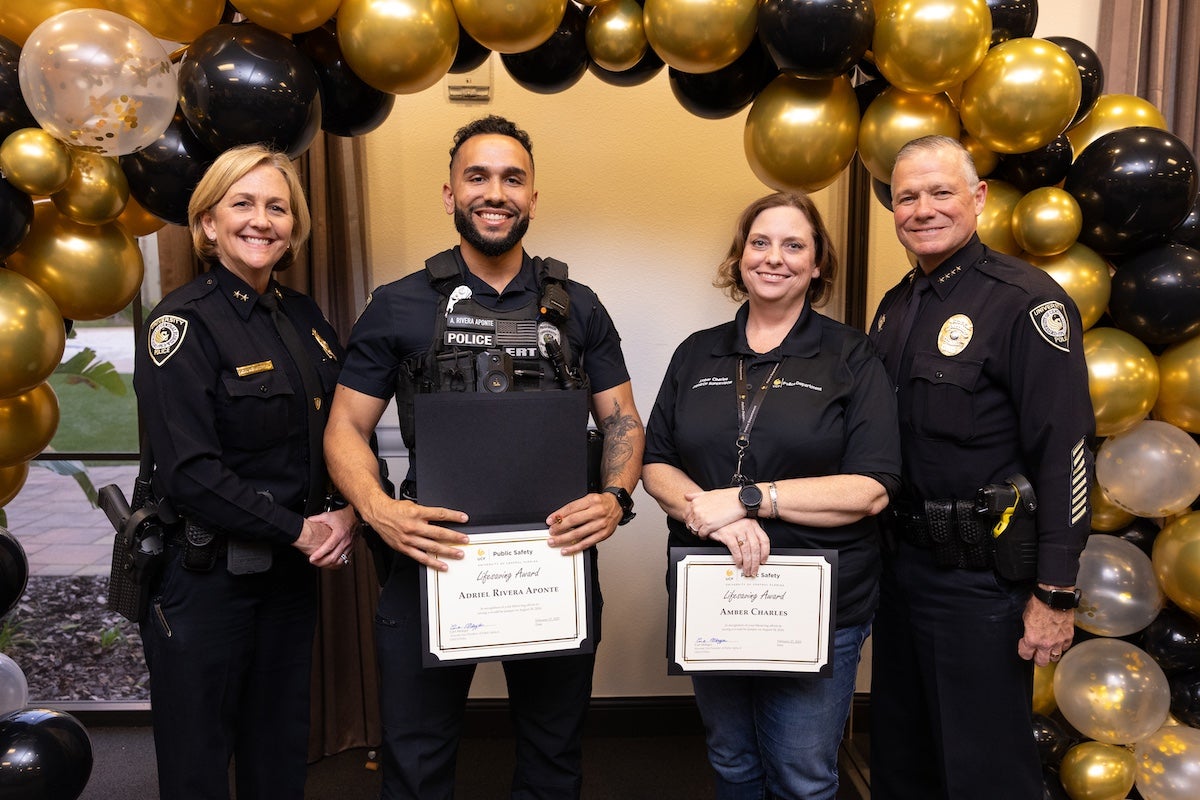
x=511, y=596
x=723, y=623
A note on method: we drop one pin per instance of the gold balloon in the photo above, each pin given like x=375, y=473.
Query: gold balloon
x=1106, y=515
x=1176, y=559
x=700, y=35
x=931, y=45
x=1024, y=94
x=985, y=160
x=895, y=118
x=1082, y=274
x=1043, y=690
x=18, y=18
x=96, y=192
x=615, y=35
x=27, y=424
x=1179, y=390
x=398, y=46
x=91, y=271
x=510, y=26
x=801, y=134
x=288, y=16
x=1047, y=221
x=176, y=21
x=1122, y=379
x=1097, y=771
x=32, y=336
x=1111, y=113
x=995, y=223
x=35, y=162
x=12, y=480
x=138, y=221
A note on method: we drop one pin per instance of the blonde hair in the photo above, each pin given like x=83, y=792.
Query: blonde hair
x=229, y=168
x=729, y=273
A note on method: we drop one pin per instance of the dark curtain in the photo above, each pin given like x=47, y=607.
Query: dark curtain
x=333, y=271
x=1151, y=48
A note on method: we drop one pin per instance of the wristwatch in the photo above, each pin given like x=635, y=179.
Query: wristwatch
x=624, y=501
x=1058, y=599
x=750, y=496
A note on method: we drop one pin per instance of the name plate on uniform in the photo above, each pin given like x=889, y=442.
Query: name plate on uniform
x=511, y=596
x=723, y=623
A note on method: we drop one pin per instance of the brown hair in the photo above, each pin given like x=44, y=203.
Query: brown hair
x=729, y=274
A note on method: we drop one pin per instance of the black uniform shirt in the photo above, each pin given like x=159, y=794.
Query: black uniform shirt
x=224, y=405
x=832, y=411
x=398, y=323
x=993, y=382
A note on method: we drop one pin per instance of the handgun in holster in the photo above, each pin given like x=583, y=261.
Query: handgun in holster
x=137, y=549
x=1013, y=504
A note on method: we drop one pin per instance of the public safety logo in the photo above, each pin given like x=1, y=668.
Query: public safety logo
x=166, y=335
x=1050, y=320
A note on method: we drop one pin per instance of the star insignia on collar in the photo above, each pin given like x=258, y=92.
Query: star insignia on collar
x=240, y=295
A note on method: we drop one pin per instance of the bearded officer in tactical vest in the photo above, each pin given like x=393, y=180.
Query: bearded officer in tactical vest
x=429, y=332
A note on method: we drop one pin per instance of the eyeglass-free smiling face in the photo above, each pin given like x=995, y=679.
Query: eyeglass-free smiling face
x=251, y=225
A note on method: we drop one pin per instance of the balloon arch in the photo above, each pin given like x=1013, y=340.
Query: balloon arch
x=104, y=133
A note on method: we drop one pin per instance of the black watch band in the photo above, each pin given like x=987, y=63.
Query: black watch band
x=1058, y=599
x=624, y=501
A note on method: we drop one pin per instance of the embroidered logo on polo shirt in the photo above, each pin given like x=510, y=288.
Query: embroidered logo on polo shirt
x=166, y=335
x=713, y=380
x=1050, y=320
x=955, y=335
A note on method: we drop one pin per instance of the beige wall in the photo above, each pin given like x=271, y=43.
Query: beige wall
x=639, y=197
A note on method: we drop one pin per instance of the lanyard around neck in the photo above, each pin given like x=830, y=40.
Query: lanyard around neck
x=748, y=408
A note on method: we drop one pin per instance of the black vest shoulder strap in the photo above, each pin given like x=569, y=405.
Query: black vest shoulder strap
x=443, y=272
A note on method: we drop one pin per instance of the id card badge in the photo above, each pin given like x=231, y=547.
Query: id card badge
x=248, y=557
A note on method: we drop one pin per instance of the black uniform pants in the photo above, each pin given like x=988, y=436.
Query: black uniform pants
x=230, y=661
x=423, y=708
x=951, y=701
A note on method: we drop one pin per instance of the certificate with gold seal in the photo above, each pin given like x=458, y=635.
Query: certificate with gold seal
x=723, y=623
x=511, y=596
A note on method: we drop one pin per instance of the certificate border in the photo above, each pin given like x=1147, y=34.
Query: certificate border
x=676, y=555
x=429, y=658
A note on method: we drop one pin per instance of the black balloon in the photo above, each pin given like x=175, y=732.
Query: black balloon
x=242, y=83
x=1188, y=231
x=14, y=114
x=1012, y=19
x=14, y=573
x=47, y=755
x=867, y=91
x=1185, y=697
x=882, y=192
x=1052, y=741
x=1046, y=166
x=816, y=38
x=645, y=69
x=1133, y=185
x=1052, y=788
x=1141, y=532
x=349, y=106
x=1173, y=640
x=1156, y=294
x=16, y=215
x=163, y=175
x=470, y=54
x=1091, y=72
x=726, y=91
x=559, y=62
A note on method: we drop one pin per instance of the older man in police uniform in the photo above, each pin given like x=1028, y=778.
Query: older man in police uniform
x=992, y=389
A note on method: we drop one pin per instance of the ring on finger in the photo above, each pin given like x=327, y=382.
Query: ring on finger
x=345, y=559
x=741, y=542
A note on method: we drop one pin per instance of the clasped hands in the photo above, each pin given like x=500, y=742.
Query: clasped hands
x=720, y=516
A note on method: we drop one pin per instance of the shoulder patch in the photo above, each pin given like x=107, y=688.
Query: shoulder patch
x=166, y=335
x=1050, y=320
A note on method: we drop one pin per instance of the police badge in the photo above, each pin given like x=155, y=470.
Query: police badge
x=1050, y=320
x=166, y=334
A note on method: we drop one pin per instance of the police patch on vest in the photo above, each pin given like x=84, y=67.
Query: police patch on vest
x=955, y=335
x=470, y=322
x=1050, y=319
x=469, y=339
x=166, y=335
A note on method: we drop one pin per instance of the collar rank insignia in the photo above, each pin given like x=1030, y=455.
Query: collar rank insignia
x=1050, y=320
x=166, y=335
x=240, y=295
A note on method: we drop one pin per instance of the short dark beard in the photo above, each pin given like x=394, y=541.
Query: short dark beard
x=489, y=247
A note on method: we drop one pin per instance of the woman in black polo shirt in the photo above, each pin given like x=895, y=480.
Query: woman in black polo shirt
x=778, y=430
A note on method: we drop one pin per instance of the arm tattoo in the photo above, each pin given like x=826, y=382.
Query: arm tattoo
x=617, y=449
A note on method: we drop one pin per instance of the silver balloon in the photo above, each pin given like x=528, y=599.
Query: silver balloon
x=14, y=689
x=1111, y=691
x=1119, y=593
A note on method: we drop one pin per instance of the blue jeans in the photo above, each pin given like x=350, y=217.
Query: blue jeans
x=780, y=735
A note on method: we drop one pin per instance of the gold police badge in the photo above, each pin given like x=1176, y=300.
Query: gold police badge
x=955, y=335
x=166, y=335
